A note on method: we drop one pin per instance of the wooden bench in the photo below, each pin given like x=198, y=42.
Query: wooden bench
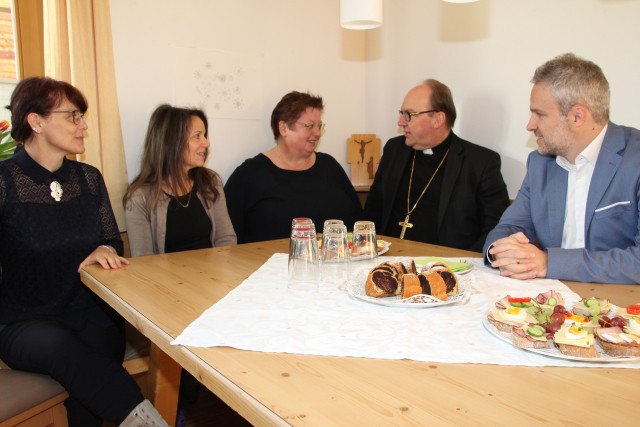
x=31, y=400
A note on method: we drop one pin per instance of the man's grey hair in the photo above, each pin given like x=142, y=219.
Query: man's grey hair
x=573, y=80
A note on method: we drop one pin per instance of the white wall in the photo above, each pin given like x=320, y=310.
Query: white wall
x=485, y=52
x=300, y=43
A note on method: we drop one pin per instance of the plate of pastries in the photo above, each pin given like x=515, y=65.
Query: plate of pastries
x=400, y=283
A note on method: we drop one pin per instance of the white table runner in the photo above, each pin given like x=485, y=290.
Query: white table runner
x=262, y=314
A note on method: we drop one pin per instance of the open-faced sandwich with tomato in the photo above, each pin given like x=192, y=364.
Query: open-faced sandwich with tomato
x=546, y=300
x=511, y=312
x=619, y=336
x=572, y=333
x=517, y=306
x=630, y=311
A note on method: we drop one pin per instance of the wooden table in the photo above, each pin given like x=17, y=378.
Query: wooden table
x=162, y=294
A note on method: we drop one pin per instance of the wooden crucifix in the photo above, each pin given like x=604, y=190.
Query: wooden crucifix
x=363, y=153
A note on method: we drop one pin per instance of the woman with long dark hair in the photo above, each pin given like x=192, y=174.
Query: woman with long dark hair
x=176, y=203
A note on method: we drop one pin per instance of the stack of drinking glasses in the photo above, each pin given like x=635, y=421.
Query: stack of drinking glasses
x=334, y=257
x=364, y=249
x=332, y=265
x=304, y=257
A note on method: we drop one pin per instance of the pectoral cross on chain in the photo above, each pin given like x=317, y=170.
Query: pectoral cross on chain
x=404, y=224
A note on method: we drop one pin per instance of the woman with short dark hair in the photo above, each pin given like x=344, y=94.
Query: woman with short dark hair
x=56, y=218
x=292, y=179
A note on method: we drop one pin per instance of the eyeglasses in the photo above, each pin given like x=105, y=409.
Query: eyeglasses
x=76, y=115
x=309, y=126
x=408, y=115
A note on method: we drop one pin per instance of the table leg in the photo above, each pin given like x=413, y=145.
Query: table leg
x=164, y=383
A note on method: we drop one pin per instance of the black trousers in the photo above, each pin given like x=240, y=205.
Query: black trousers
x=82, y=352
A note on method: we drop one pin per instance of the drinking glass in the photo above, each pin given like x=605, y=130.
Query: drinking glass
x=364, y=246
x=329, y=222
x=295, y=222
x=334, y=256
x=304, y=257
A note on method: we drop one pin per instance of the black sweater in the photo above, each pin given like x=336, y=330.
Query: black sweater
x=262, y=199
x=43, y=241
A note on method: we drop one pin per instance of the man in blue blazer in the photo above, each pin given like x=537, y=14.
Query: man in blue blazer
x=576, y=216
x=432, y=186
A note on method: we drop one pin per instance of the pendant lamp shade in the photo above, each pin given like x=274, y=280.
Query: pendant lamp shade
x=360, y=14
x=461, y=1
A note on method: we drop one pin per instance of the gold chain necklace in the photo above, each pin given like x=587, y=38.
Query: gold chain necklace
x=406, y=224
x=188, y=201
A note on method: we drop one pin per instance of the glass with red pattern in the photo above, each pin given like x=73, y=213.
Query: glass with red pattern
x=304, y=257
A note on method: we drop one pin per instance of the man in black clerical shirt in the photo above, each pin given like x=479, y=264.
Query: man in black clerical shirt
x=431, y=185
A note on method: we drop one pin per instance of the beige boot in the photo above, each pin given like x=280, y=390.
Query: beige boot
x=144, y=415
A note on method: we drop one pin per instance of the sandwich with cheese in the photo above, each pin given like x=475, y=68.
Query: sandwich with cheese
x=576, y=340
x=508, y=318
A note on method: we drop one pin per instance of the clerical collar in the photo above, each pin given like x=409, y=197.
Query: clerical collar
x=440, y=148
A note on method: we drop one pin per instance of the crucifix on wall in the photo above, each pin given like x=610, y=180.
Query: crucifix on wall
x=363, y=153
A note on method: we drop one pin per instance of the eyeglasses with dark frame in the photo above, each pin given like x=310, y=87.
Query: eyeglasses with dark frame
x=76, y=115
x=408, y=115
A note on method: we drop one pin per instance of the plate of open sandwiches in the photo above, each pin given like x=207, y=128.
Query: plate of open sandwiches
x=590, y=330
x=402, y=284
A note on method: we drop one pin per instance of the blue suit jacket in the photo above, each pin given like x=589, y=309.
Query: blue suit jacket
x=612, y=230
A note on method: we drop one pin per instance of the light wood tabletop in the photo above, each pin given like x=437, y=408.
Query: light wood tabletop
x=162, y=294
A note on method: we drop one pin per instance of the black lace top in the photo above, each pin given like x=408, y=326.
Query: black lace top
x=43, y=241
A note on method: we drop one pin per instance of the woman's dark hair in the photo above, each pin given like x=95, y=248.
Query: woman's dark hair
x=163, y=157
x=39, y=95
x=291, y=107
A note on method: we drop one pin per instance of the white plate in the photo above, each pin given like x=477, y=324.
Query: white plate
x=554, y=352
x=355, y=288
x=385, y=247
x=468, y=266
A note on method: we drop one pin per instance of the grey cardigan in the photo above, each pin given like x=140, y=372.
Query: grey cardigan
x=147, y=228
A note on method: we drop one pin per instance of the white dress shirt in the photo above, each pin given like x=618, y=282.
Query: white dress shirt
x=578, y=183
